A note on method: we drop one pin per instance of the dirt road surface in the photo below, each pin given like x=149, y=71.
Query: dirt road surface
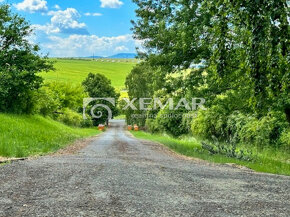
x=118, y=175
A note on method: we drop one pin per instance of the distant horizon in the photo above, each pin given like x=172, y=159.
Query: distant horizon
x=98, y=56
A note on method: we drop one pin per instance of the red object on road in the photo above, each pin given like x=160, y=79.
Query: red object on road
x=129, y=127
x=136, y=128
x=101, y=127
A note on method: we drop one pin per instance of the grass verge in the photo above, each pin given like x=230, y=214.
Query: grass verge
x=269, y=161
x=26, y=135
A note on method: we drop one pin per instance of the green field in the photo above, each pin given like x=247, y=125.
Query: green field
x=75, y=71
x=24, y=135
x=267, y=160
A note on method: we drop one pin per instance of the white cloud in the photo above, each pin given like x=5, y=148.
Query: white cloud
x=111, y=3
x=93, y=14
x=65, y=21
x=57, y=7
x=86, y=45
x=121, y=48
x=32, y=6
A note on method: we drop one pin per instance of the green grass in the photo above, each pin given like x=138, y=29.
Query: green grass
x=120, y=117
x=267, y=160
x=25, y=135
x=75, y=71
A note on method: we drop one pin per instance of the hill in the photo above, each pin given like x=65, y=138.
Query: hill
x=123, y=56
x=75, y=71
x=30, y=135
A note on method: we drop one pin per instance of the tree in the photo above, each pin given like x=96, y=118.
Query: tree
x=98, y=86
x=241, y=44
x=19, y=63
x=141, y=83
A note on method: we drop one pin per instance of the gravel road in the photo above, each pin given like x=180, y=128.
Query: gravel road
x=118, y=175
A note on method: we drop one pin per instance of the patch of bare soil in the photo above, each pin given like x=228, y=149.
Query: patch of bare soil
x=6, y=159
x=75, y=147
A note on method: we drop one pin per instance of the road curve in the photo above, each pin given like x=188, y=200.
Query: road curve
x=118, y=175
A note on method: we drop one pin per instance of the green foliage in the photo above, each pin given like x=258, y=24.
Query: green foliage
x=242, y=45
x=240, y=128
x=170, y=121
x=70, y=118
x=98, y=86
x=19, y=63
x=62, y=102
x=46, y=102
x=210, y=122
x=69, y=95
x=243, y=73
x=285, y=139
x=141, y=83
x=265, y=131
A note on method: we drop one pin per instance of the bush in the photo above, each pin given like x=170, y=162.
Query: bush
x=69, y=96
x=285, y=139
x=187, y=120
x=210, y=122
x=170, y=121
x=241, y=128
x=46, y=103
x=70, y=117
x=260, y=132
x=152, y=126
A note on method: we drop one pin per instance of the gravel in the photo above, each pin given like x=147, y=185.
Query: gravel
x=118, y=175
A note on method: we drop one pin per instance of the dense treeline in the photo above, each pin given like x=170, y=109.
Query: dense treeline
x=235, y=54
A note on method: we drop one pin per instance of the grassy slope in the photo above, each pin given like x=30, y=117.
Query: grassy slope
x=266, y=161
x=75, y=71
x=23, y=135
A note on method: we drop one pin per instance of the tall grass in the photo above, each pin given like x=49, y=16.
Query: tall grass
x=24, y=135
x=271, y=161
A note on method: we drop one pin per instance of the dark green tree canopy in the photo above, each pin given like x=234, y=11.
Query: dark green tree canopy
x=242, y=45
x=19, y=63
x=98, y=86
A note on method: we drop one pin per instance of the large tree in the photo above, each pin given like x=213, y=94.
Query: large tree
x=243, y=46
x=98, y=86
x=19, y=63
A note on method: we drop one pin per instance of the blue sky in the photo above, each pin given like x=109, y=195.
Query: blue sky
x=71, y=28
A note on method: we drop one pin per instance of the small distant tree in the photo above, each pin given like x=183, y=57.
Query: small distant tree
x=98, y=86
x=19, y=63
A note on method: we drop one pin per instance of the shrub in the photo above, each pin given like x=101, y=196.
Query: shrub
x=187, y=120
x=69, y=96
x=152, y=125
x=210, y=122
x=285, y=139
x=46, y=103
x=260, y=132
x=70, y=117
x=170, y=121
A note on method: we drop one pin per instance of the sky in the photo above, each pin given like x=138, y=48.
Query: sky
x=79, y=28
